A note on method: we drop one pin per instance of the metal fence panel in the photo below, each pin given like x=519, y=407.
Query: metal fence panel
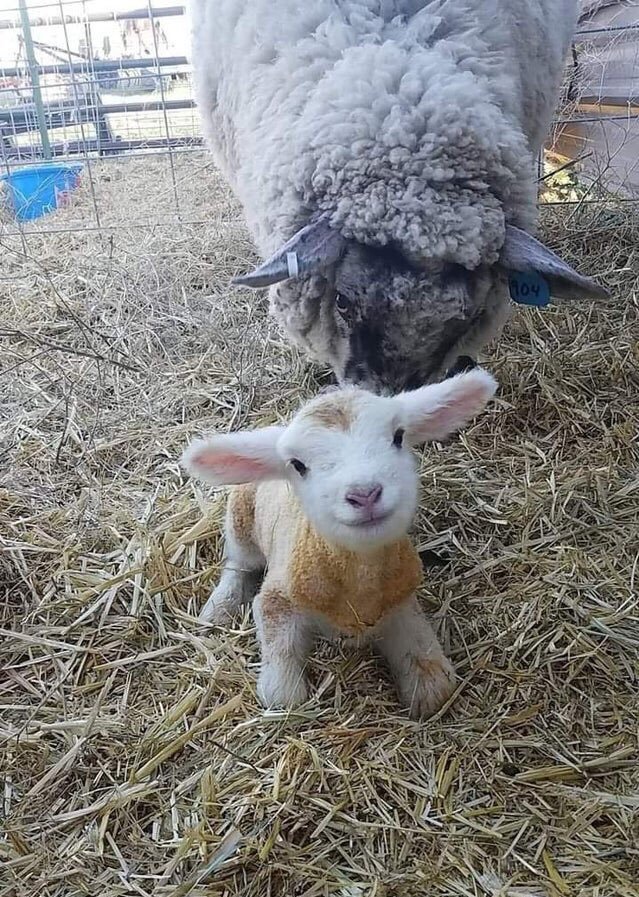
x=108, y=86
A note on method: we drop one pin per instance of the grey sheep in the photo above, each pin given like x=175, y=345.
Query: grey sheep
x=384, y=154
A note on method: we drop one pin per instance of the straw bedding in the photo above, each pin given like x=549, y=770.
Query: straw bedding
x=136, y=760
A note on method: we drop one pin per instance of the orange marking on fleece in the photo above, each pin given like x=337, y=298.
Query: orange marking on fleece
x=242, y=511
x=352, y=590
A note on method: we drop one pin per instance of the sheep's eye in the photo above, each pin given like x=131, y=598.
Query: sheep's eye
x=299, y=467
x=341, y=305
x=398, y=438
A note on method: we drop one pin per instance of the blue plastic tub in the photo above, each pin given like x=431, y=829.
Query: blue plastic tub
x=39, y=189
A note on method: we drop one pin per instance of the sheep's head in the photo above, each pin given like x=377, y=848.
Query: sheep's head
x=347, y=455
x=388, y=323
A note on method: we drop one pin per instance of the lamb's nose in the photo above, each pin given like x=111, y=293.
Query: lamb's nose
x=364, y=497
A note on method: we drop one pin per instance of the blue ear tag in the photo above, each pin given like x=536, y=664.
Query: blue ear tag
x=528, y=288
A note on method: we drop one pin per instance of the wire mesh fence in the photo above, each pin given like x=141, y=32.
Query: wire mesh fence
x=86, y=81
x=107, y=84
x=595, y=136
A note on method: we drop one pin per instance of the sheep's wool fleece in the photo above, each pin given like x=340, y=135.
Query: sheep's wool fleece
x=413, y=122
x=352, y=591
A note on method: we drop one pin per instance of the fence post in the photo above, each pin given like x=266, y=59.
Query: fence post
x=35, y=80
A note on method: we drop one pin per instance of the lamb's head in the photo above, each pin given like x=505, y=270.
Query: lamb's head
x=389, y=323
x=348, y=455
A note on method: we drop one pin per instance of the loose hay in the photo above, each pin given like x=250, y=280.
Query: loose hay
x=136, y=759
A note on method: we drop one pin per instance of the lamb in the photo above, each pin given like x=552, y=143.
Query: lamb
x=321, y=508
x=383, y=152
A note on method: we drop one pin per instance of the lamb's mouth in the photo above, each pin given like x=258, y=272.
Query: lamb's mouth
x=370, y=522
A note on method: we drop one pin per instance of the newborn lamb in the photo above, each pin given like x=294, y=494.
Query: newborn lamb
x=322, y=508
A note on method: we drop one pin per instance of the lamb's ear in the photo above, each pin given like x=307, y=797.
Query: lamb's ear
x=434, y=412
x=523, y=253
x=234, y=458
x=313, y=248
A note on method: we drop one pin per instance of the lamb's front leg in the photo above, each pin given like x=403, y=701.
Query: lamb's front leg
x=424, y=676
x=286, y=638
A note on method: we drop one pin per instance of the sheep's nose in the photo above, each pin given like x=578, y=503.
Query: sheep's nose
x=365, y=497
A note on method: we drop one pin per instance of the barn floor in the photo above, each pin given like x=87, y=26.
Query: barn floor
x=136, y=760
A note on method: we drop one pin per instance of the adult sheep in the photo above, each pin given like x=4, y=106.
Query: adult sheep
x=383, y=152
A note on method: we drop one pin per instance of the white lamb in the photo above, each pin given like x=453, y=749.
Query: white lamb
x=324, y=516
x=383, y=151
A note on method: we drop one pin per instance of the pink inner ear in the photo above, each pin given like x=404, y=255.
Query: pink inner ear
x=446, y=419
x=232, y=466
x=459, y=408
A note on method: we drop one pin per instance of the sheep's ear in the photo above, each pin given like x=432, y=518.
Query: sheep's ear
x=234, y=458
x=524, y=254
x=434, y=412
x=313, y=248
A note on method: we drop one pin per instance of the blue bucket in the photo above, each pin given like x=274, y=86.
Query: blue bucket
x=39, y=189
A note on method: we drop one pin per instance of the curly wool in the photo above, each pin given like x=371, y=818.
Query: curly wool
x=411, y=123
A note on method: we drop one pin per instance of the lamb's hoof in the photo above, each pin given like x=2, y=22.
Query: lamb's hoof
x=218, y=610
x=234, y=590
x=427, y=686
x=214, y=616
x=281, y=687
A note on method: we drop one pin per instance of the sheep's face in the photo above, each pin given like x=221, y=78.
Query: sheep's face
x=347, y=455
x=384, y=325
x=388, y=323
x=401, y=328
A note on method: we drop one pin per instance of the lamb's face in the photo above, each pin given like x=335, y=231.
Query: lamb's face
x=351, y=465
x=347, y=455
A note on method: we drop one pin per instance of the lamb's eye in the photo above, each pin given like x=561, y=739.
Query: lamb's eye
x=299, y=467
x=398, y=438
